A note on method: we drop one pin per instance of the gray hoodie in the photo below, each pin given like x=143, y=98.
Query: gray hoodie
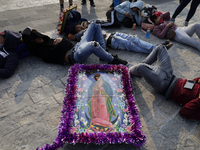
x=126, y=7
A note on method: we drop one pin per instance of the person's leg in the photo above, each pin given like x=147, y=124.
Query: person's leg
x=84, y=49
x=70, y=2
x=182, y=5
x=61, y=4
x=193, y=7
x=131, y=43
x=157, y=76
x=112, y=21
x=183, y=35
x=93, y=32
x=127, y=22
x=83, y=2
x=92, y=3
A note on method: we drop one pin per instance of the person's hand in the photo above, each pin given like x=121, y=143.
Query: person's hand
x=84, y=24
x=198, y=81
x=139, y=12
x=199, y=95
x=56, y=41
x=157, y=22
x=170, y=24
x=127, y=14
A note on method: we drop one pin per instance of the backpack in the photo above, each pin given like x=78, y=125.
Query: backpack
x=148, y=10
x=22, y=51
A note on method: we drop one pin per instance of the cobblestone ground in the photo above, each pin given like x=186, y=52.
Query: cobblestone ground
x=31, y=100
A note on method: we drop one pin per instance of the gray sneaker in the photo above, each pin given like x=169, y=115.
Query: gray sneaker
x=185, y=23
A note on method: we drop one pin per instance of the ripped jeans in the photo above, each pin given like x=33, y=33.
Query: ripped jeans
x=87, y=46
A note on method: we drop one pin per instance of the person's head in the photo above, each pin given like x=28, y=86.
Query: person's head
x=135, y=6
x=135, y=9
x=37, y=37
x=96, y=77
x=75, y=28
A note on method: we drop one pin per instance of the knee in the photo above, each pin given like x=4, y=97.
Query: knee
x=95, y=44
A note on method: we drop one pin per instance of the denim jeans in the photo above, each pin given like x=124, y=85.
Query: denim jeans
x=87, y=46
x=184, y=35
x=124, y=41
x=158, y=75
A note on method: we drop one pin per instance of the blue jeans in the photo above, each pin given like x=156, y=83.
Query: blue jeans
x=87, y=46
x=124, y=41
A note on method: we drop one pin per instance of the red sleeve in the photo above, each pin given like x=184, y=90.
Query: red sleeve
x=157, y=30
x=196, y=79
x=191, y=109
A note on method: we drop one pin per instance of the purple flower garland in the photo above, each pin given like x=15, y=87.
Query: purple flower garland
x=136, y=137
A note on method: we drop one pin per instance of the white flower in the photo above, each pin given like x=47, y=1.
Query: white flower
x=75, y=116
x=76, y=122
x=121, y=130
x=125, y=115
x=85, y=123
x=125, y=121
x=81, y=130
x=82, y=119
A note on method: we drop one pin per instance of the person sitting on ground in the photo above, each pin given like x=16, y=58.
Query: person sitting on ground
x=181, y=35
x=160, y=76
x=62, y=51
x=120, y=41
x=125, y=13
x=8, y=57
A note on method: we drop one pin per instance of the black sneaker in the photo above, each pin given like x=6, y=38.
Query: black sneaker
x=118, y=61
x=83, y=3
x=92, y=4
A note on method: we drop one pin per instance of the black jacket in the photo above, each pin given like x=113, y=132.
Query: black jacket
x=8, y=56
x=46, y=51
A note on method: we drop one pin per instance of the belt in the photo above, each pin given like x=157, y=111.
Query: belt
x=71, y=56
x=108, y=44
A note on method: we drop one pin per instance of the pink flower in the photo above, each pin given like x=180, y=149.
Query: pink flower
x=80, y=90
x=73, y=129
x=76, y=109
x=128, y=129
x=123, y=125
x=78, y=126
x=119, y=90
x=125, y=110
x=87, y=130
x=84, y=78
x=114, y=79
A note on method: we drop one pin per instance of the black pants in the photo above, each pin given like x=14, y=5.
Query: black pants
x=111, y=19
x=183, y=4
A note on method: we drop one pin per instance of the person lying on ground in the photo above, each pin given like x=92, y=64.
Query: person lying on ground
x=62, y=51
x=125, y=13
x=8, y=57
x=160, y=76
x=120, y=41
x=182, y=34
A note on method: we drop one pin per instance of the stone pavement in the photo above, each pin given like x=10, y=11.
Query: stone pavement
x=31, y=100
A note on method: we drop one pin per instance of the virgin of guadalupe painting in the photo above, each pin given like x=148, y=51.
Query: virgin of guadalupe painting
x=100, y=105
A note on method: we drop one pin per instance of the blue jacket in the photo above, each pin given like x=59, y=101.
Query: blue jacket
x=126, y=7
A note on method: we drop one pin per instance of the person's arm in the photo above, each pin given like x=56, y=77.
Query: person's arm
x=191, y=109
x=159, y=32
x=138, y=17
x=165, y=16
x=119, y=8
x=10, y=66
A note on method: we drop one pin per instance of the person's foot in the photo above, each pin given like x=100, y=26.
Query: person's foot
x=172, y=20
x=118, y=61
x=92, y=4
x=166, y=42
x=185, y=23
x=83, y=3
x=132, y=74
x=168, y=46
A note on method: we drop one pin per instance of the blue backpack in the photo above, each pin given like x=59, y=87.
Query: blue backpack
x=22, y=51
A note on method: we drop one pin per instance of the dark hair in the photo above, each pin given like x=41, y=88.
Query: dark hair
x=153, y=17
x=72, y=28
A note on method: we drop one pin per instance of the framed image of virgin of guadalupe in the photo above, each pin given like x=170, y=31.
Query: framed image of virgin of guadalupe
x=99, y=108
